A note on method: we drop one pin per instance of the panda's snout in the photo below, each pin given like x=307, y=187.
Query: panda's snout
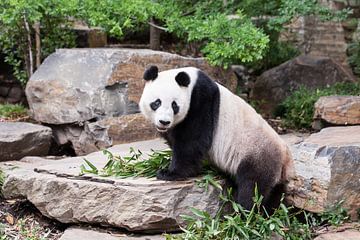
x=165, y=123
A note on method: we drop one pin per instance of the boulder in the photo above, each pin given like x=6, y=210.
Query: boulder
x=93, y=136
x=19, y=139
x=135, y=204
x=338, y=110
x=351, y=234
x=327, y=166
x=77, y=85
x=274, y=85
x=348, y=231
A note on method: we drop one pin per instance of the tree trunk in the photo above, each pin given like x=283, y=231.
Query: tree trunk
x=31, y=61
x=37, y=44
x=154, y=36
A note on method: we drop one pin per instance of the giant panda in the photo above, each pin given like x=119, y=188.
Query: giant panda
x=201, y=119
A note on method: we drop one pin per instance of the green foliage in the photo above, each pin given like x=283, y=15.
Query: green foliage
x=239, y=223
x=335, y=215
x=354, y=57
x=12, y=110
x=225, y=40
x=298, y=109
x=32, y=232
x=136, y=165
x=131, y=166
x=2, y=179
x=244, y=224
x=54, y=17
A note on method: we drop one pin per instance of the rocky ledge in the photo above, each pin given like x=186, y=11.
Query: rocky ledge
x=57, y=190
x=328, y=170
x=19, y=139
x=327, y=165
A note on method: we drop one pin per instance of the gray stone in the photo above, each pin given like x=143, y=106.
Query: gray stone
x=74, y=233
x=139, y=204
x=348, y=231
x=94, y=136
x=19, y=139
x=76, y=85
x=338, y=110
x=274, y=85
x=327, y=165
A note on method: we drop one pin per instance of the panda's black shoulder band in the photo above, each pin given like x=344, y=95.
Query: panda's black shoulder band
x=151, y=73
x=183, y=79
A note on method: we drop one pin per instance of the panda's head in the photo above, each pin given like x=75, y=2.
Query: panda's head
x=167, y=95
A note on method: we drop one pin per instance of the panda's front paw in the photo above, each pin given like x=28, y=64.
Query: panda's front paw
x=165, y=174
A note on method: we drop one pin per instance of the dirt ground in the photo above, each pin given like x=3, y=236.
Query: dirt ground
x=20, y=220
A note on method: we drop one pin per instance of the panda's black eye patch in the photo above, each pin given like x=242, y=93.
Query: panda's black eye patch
x=155, y=105
x=175, y=107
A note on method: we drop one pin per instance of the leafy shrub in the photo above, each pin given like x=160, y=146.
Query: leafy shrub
x=354, y=57
x=12, y=110
x=298, y=109
x=17, y=32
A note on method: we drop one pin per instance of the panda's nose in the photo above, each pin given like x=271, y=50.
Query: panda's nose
x=164, y=122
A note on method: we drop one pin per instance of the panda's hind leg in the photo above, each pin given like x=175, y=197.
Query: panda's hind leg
x=250, y=174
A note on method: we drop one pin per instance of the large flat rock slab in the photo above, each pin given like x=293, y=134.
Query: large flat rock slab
x=328, y=170
x=57, y=190
x=19, y=139
x=338, y=110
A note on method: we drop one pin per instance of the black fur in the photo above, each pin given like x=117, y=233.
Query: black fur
x=258, y=172
x=183, y=79
x=151, y=73
x=191, y=139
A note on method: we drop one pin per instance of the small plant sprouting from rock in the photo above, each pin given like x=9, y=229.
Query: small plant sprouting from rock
x=134, y=165
x=12, y=111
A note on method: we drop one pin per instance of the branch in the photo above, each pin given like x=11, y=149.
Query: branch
x=157, y=26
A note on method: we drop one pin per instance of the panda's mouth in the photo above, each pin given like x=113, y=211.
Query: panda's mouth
x=161, y=129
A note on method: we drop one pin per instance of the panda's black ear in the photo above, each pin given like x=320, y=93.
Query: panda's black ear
x=151, y=73
x=183, y=79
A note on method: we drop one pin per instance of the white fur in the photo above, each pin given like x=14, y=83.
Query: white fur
x=241, y=132
x=165, y=88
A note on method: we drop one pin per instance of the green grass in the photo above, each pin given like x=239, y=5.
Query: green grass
x=12, y=110
x=298, y=109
